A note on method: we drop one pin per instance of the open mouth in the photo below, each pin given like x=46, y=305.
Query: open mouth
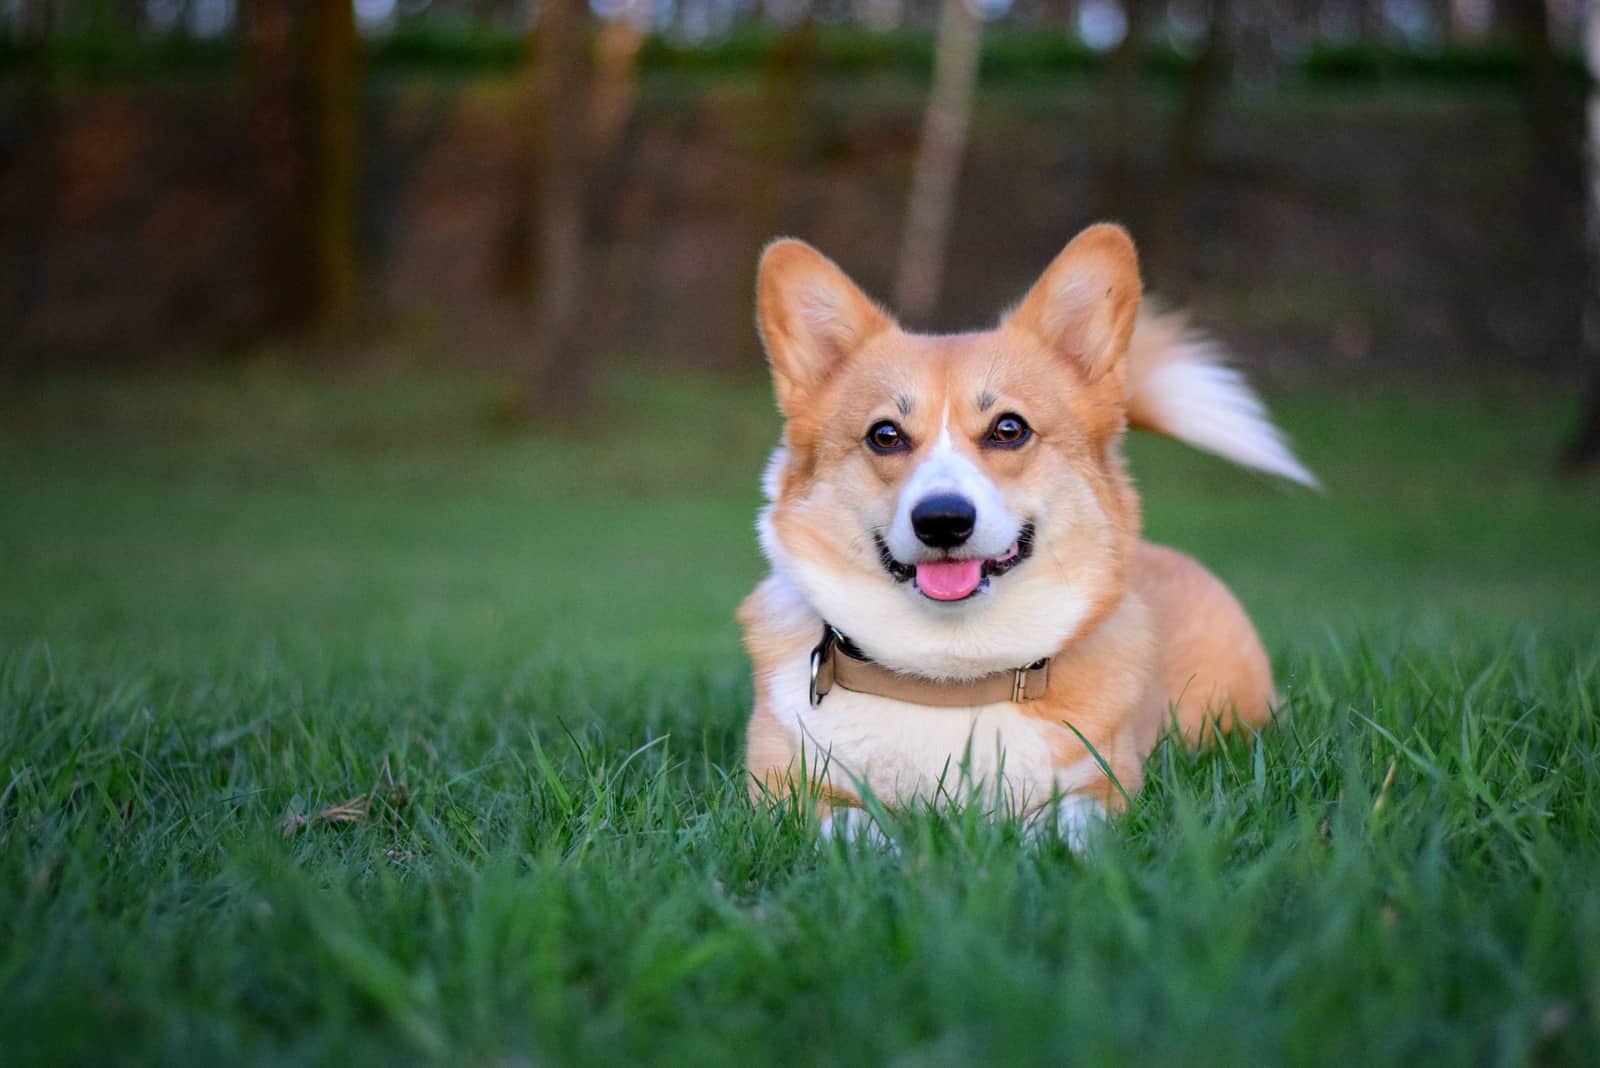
x=957, y=578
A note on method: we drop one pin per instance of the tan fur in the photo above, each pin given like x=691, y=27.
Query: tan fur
x=1143, y=634
x=1209, y=664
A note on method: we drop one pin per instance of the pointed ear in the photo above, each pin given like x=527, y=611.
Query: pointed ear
x=812, y=318
x=1084, y=304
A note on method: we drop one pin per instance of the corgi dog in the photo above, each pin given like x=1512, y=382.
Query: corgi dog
x=959, y=599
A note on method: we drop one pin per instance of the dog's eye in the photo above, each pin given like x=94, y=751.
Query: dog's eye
x=885, y=437
x=1009, y=429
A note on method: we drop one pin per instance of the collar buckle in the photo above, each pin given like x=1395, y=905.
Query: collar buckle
x=822, y=665
x=1019, y=686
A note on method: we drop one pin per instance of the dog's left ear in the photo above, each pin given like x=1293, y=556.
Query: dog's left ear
x=812, y=318
x=1084, y=304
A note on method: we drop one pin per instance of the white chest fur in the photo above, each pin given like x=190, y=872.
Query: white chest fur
x=906, y=752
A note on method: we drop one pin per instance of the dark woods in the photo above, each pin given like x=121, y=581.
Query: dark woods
x=203, y=177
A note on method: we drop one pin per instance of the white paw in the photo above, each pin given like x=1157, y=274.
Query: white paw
x=854, y=824
x=1076, y=819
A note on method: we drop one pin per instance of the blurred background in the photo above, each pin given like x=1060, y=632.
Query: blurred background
x=1341, y=187
x=296, y=297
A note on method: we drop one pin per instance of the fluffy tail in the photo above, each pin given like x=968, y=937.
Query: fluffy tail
x=1179, y=384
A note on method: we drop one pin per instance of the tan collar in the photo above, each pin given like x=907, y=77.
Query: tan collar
x=837, y=662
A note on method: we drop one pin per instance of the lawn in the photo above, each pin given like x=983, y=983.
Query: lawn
x=231, y=604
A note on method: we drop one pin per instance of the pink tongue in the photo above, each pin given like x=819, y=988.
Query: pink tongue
x=949, y=580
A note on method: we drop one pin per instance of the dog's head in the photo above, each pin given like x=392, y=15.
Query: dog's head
x=956, y=505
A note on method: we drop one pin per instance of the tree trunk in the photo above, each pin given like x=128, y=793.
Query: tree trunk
x=30, y=232
x=613, y=132
x=1468, y=22
x=1189, y=130
x=335, y=165
x=938, y=164
x=616, y=85
x=778, y=133
x=582, y=116
x=306, y=132
x=1583, y=451
x=1124, y=83
x=559, y=375
x=1545, y=96
x=283, y=233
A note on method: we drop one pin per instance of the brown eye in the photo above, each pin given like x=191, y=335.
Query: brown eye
x=1009, y=429
x=885, y=437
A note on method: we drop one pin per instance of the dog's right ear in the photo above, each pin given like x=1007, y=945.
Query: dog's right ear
x=811, y=318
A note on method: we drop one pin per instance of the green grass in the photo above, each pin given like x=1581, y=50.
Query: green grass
x=230, y=601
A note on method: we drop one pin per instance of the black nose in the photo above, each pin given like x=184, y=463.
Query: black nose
x=944, y=520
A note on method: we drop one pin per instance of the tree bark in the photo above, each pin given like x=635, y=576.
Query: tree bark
x=559, y=375
x=613, y=133
x=30, y=232
x=282, y=228
x=582, y=116
x=306, y=132
x=616, y=85
x=1465, y=23
x=938, y=164
x=1189, y=130
x=1583, y=451
x=1124, y=82
x=583, y=112
x=335, y=165
x=1544, y=95
x=778, y=133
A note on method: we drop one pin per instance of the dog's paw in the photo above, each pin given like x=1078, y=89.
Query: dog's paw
x=1076, y=819
x=854, y=824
